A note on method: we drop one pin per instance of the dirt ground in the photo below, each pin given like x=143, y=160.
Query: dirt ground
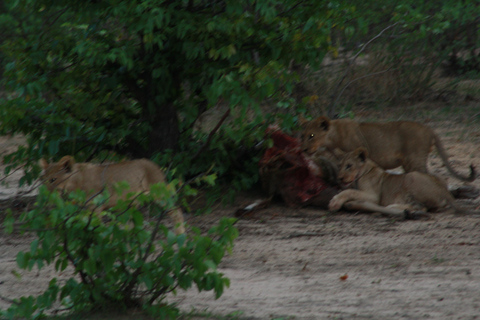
x=307, y=263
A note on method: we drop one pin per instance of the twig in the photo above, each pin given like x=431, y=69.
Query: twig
x=360, y=78
x=11, y=172
x=371, y=40
x=8, y=300
x=51, y=20
x=210, y=136
x=303, y=234
x=127, y=287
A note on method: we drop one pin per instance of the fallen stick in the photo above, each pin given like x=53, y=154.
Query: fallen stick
x=304, y=234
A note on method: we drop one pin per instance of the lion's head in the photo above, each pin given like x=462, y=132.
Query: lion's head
x=56, y=174
x=314, y=134
x=352, y=166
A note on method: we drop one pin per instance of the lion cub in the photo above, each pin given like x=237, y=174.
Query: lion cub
x=389, y=144
x=413, y=191
x=67, y=175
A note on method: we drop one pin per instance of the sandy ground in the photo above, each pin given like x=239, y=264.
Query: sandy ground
x=307, y=263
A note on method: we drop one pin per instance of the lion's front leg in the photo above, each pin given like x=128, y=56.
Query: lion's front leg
x=348, y=195
x=178, y=220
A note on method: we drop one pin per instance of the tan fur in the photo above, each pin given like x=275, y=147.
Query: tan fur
x=67, y=175
x=413, y=191
x=390, y=144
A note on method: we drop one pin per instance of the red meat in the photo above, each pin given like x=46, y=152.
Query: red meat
x=286, y=170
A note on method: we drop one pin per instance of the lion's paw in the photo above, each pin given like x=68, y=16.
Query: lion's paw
x=335, y=204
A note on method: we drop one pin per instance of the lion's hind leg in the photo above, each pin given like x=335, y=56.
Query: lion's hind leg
x=405, y=207
x=373, y=207
x=416, y=162
x=398, y=211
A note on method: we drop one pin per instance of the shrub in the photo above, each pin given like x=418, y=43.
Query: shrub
x=119, y=258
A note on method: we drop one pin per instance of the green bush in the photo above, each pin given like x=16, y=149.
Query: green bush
x=119, y=258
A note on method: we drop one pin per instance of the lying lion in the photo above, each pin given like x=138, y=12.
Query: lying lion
x=385, y=192
x=389, y=144
x=67, y=175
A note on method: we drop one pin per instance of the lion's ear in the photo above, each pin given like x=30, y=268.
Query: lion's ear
x=362, y=154
x=67, y=163
x=323, y=123
x=43, y=163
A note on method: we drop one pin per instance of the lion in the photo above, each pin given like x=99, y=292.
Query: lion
x=389, y=193
x=67, y=176
x=389, y=144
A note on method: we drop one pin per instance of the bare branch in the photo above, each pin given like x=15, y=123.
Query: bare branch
x=332, y=106
x=212, y=133
x=360, y=78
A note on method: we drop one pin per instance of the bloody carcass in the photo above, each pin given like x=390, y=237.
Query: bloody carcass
x=285, y=170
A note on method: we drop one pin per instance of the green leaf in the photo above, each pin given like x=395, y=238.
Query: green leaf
x=8, y=222
x=34, y=246
x=137, y=217
x=23, y=260
x=210, y=179
x=210, y=264
x=90, y=266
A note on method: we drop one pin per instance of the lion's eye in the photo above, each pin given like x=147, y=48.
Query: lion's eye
x=310, y=137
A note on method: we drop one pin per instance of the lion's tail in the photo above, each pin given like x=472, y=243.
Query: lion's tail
x=444, y=156
x=459, y=209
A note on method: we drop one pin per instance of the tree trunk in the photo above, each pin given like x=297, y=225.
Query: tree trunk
x=165, y=132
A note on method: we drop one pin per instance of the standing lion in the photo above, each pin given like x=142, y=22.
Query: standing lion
x=389, y=144
x=67, y=175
